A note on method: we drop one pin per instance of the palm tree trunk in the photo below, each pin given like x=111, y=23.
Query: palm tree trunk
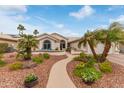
x=93, y=50
x=28, y=57
x=106, y=51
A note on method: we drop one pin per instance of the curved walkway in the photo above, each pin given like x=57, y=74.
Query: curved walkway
x=58, y=76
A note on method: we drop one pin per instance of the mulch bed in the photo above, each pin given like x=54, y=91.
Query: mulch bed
x=15, y=79
x=110, y=80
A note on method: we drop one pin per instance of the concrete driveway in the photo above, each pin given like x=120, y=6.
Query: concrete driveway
x=116, y=58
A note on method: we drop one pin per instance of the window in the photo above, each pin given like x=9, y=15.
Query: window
x=62, y=45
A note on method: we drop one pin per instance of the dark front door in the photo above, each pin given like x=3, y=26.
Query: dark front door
x=47, y=45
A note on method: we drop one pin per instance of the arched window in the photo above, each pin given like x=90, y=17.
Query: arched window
x=47, y=45
x=62, y=45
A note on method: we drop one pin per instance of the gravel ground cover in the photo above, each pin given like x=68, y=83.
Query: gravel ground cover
x=110, y=80
x=15, y=79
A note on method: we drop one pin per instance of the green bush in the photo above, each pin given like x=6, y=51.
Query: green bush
x=90, y=64
x=90, y=75
x=78, y=58
x=16, y=66
x=30, y=78
x=80, y=65
x=81, y=57
x=3, y=47
x=2, y=63
x=77, y=72
x=90, y=58
x=82, y=54
x=37, y=59
x=46, y=56
x=105, y=67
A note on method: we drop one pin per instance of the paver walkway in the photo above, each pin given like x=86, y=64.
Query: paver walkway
x=58, y=76
x=116, y=58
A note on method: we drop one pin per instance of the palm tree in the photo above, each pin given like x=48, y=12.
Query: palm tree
x=35, y=32
x=114, y=34
x=89, y=38
x=25, y=45
x=21, y=28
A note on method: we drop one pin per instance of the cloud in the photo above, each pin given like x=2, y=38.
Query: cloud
x=119, y=19
x=60, y=25
x=13, y=8
x=9, y=21
x=83, y=12
x=20, y=18
x=50, y=22
x=115, y=7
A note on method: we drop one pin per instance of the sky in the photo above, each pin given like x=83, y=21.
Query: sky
x=71, y=20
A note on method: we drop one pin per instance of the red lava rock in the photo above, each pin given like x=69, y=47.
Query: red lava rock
x=15, y=79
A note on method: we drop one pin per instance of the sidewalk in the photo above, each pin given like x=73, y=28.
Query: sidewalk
x=59, y=77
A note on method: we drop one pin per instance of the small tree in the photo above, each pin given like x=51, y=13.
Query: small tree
x=114, y=34
x=21, y=28
x=35, y=32
x=25, y=46
x=89, y=38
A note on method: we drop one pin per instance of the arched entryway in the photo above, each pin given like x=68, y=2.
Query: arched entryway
x=62, y=44
x=47, y=45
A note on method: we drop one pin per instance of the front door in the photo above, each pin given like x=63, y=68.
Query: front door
x=47, y=45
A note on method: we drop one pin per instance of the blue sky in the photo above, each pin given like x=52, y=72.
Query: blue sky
x=66, y=20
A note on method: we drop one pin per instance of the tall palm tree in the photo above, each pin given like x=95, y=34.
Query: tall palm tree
x=89, y=38
x=25, y=45
x=21, y=28
x=114, y=34
x=35, y=32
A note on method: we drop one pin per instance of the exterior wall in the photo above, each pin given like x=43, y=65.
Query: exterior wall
x=75, y=46
x=100, y=47
x=11, y=43
x=54, y=44
x=121, y=48
x=61, y=38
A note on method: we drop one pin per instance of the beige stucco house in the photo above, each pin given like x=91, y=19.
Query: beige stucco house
x=57, y=42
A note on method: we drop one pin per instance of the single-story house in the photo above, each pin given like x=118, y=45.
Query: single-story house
x=57, y=42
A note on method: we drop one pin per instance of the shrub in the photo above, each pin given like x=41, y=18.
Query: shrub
x=80, y=65
x=16, y=66
x=37, y=59
x=78, y=58
x=81, y=57
x=105, y=67
x=46, y=56
x=90, y=75
x=90, y=58
x=90, y=64
x=30, y=78
x=77, y=72
x=2, y=63
x=82, y=54
x=3, y=47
